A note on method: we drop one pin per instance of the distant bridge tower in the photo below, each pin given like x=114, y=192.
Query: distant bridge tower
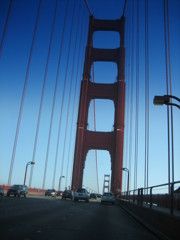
x=111, y=141
x=106, y=184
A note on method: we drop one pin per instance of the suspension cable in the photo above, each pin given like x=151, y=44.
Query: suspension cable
x=88, y=7
x=124, y=7
x=64, y=89
x=67, y=117
x=146, y=178
x=127, y=97
x=23, y=94
x=131, y=106
x=75, y=91
x=167, y=86
x=172, y=131
x=72, y=118
x=43, y=90
x=137, y=101
x=169, y=82
x=6, y=26
x=54, y=97
x=95, y=131
x=69, y=99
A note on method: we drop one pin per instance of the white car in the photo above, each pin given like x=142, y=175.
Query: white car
x=108, y=197
x=81, y=194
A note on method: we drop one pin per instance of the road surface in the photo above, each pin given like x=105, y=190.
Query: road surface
x=53, y=218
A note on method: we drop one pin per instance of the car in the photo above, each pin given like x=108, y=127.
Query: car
x=98, y=195
x=93, y=195
x=50, y=192
x=17, y=190
x=67, y=194
x=1, y=193
x=108, y=197
x=59, y=193
x=81, y=194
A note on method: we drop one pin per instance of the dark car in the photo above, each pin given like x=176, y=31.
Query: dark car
x=17, y=190
x=1, y=193
x=93, y=196
x=51, y=193
x=67, y=194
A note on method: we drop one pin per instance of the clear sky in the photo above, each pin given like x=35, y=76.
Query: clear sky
x=13, y=67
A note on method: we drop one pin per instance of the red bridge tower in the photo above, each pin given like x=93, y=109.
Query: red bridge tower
x=111, y=141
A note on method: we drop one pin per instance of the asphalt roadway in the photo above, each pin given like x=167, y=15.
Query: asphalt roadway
x=52, y=218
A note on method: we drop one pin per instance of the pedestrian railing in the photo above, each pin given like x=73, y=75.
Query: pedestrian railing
x=161, y=196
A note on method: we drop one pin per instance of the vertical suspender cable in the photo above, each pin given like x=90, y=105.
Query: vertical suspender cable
x=169, y=81
x=74, y=98
x=54, y=175
x=6, y=26
x=77, y=73
x=131, y=106
x=42, y=94
x=23, y=94
x=68, y=158
x=146, y=177
x=172, y=131
x=64, y=89
x=147, y=98
x=95, y=131
x=167, y=86
x=127, y=97
x=54, y=97
x=145, y=159
x=69, y=99
x=137, y=100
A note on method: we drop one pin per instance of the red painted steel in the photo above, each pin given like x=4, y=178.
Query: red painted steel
x=111, y=141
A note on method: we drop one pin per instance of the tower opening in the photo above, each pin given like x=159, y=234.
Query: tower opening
x=90, y=172
x=104, y=72
x=106, y=39
x=104, y=115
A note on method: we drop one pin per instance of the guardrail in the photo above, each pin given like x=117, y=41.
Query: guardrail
x=147, y=196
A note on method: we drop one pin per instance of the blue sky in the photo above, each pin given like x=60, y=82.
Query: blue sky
x=13, y=65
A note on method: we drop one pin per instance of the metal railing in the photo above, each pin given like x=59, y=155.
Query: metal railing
x=161, y=196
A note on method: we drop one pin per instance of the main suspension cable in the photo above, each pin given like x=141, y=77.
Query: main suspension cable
x=88, y=7
x=6, y=26
x=124, y=9
x=23, y=94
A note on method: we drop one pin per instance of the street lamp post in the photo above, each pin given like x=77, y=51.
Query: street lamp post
x=59, y=188
x=27, y=164
x=127, y=170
